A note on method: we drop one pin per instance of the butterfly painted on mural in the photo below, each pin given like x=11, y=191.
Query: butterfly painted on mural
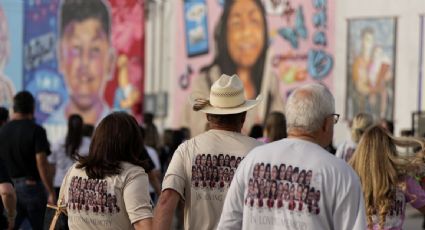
x=292, y=35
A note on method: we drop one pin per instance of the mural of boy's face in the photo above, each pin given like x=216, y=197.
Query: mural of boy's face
x=245, y=33
x=85, y=61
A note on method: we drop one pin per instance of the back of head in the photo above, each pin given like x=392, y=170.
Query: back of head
x=308, y=106
x=276, y=126
x=115, y=140
x=74, y=135
x=381, y=168
x=256, y=131
x=360, y=123
x=23, y=103
x=148, y=118
x=4, y=115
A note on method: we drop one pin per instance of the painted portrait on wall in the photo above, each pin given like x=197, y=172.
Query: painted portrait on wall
x=11, y=32
x=273, y=46
x=370, y=64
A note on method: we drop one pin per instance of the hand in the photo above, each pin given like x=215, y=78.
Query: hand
x=51, y=199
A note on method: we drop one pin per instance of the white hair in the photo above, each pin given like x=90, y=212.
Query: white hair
x=308, y=106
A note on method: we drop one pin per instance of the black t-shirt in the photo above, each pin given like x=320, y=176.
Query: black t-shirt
x=4, y=178
x=20, y=140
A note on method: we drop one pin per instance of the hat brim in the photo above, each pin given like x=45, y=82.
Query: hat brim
x=249, y=104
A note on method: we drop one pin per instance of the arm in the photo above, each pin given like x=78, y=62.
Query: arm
x=46, y=178
x=349, y=211
x=8, y=197
x=144, y=224
x=415, y=194
x=154, y=176
x=164, y=211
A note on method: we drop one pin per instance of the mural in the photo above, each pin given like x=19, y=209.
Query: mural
x=273, y=46
x=421, y=96
x=370, y=60
x=11, y=28
x=83, y=57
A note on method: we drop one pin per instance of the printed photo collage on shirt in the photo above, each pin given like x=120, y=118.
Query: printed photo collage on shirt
x=282, y=187
x=90, y=195
x=211, y=171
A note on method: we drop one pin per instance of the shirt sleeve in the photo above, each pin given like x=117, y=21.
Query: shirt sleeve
x=415, y=195
x=4, y=176
x=136, y=196
x=41, y=143
x=232, y=214
x=175, y=176
x=349, y=212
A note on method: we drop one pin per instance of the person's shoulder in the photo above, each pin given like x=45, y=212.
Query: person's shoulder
x=130, y=171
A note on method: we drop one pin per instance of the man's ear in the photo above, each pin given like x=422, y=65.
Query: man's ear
x=326, y=124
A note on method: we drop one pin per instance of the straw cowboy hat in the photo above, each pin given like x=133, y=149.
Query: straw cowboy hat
x=227, y=96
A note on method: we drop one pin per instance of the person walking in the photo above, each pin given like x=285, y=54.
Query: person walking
x=202, y=168
x=295, y=183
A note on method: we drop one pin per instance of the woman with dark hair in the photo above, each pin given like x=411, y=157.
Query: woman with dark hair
x=66, y=151
x=275, y=127
x=241, y=38
x=114, y=160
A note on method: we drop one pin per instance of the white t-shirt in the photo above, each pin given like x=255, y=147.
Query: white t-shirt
x=346, y=150
x=155, y=159
x=115, y=202
x=293, y=184
x=201, y=171
x=62, y=161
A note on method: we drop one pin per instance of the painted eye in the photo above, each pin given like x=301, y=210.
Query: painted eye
x=94, y=52
x=76, y=51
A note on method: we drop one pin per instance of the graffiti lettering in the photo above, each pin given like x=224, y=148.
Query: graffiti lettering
x=39, y=50
x=319, y=38
x=320, y=19
x=277, y=59
x=318, y=4
x=319, y=64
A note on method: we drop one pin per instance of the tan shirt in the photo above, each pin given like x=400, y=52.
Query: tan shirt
x=201, y=171
x=115, y=202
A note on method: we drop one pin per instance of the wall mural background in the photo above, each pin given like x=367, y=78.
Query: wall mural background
x=274, y=46
x=371, y=55
x=84, y=57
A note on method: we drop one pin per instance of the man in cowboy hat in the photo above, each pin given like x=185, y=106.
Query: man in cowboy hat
x=202, y=168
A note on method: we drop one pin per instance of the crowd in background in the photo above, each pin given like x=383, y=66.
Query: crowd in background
x=60, y=168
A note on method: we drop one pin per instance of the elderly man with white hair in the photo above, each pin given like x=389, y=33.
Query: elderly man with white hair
x=313, y=189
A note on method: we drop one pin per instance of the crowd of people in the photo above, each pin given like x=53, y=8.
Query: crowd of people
x=122, y=176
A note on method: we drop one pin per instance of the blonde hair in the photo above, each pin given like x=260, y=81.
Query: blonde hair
x=381, y=169
x=361, y=122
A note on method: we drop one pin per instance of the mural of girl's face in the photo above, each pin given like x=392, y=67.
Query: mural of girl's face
x=245, y=33
x=226, y=160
